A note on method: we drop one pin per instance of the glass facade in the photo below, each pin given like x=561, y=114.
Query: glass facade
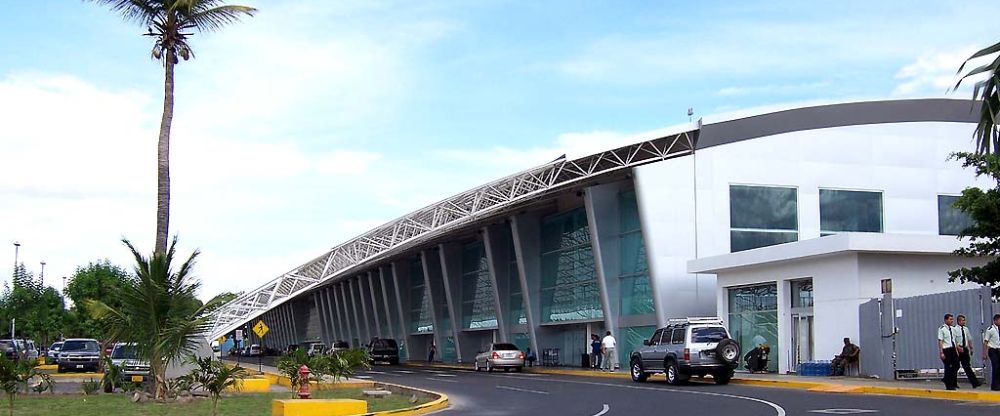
x=420, y=304
x=569, y=288
x=478, y=307
x=630, y=339
x=802, y=293
x=761, y=216
x=951, y=220
x=849, y=211
x=636, y=293
x=753, y=318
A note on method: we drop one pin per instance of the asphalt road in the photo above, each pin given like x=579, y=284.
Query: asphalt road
x=501, y=393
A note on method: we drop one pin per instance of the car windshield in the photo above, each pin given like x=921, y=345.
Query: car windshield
x=709, y=334
x=56, y=346
x=81, y=346
x=505, y=347
x=124, y=352
x=7, y=344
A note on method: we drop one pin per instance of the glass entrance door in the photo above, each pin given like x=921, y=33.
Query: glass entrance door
x=802, y=339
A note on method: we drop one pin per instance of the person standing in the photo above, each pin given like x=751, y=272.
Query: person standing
x=964, y=348
x=595, y=351
x=948, y=354
x=430, y=352
x=991, y=350
x=608, y=350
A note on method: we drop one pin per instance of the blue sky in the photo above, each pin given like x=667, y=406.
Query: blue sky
x=317, y=120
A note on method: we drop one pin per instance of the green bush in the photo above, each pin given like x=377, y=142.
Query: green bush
x=90, y=387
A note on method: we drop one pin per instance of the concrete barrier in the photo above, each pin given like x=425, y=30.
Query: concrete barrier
x=318, y=407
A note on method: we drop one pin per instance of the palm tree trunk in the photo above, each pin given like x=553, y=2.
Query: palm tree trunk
x=163, y=158
x=215, y=405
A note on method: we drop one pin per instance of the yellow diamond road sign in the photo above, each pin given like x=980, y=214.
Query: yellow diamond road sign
x=260, y=329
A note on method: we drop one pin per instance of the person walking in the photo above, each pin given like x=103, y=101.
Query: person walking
x=430, y=352
x=964, y=348
x=608, y=350
x=991, y=350
x=595, y=351
x=948, y=354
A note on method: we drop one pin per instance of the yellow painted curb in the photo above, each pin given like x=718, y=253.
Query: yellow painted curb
x=95, y=376
x=318, y=407
x=47, y=367
x=440, y=403
x=250, y=385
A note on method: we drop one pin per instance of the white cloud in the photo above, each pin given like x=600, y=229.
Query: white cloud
x=933, y=73
x=774, y=89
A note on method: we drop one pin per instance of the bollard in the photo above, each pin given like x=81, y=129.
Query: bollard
x=304, y=382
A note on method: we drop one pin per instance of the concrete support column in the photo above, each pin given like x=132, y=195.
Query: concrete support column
x=391, y=330
x=435, y=295
x=352, y=310
x=450, y=256
x=318, y=303
x=374, y=304
x=489, y=245
x=402, y=289
x=525, y=233
x=601, y=204
x=362, y=293
x=338, y=332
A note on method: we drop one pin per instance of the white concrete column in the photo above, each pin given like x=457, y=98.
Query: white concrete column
x=529, y=307
x=595, y=246
x=491, y=263
x=447, y=274
x=385, y=302
x=375, y=314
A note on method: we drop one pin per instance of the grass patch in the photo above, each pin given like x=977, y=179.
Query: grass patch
x=234, y=405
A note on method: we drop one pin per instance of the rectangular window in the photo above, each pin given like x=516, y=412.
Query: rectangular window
x=761, y=216
x=802, y=293
x=678, y=336
x=951, y=220
x=753, y=317
x=656, y=337
x=420, y=317
x=478, y=308
x=636, y=295
x=849, y=211
x=569, y=289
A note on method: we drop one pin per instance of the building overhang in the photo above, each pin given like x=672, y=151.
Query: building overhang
x=877, y=243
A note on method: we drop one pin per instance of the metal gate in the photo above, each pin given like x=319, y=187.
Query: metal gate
x=899, y=336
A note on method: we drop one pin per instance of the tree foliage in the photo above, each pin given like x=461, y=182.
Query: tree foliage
x=983, y=207
x=214, y=377
x=101, y=281
x=158, y=311
x=39, y=311
x=987, y=93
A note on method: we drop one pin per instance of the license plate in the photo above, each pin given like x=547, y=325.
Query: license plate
x=79, y=366
x=137, y=379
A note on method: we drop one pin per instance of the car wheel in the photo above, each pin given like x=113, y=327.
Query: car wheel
x=728, y=350
x=638, y=375
x=674, y=376
x=477, y=366
x=722, y=377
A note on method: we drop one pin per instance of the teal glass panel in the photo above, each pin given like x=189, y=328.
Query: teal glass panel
x=420, y=313
x=636, y=295
x=761, y=216
x=631, y=339
x=514, y=297
x=448, y=353
x=521, y=340
x=569, y=288
x=478, y=303
x=753, y=318
x=951, y=220
x=850, y=211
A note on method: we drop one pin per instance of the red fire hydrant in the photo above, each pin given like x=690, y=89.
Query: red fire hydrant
x=304, y=382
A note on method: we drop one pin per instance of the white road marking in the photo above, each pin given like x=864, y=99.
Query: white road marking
x=374, y=372
x=404, y=371
x=440, y=379
x=445, y=375
x=522, y=390
x=778, y=409
x=603, y=411
x=360, y=376
x=843, y=411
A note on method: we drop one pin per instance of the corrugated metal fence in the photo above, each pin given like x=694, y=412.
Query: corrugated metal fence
x=899, y=336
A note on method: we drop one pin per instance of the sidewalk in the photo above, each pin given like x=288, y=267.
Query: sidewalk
x=932, y=389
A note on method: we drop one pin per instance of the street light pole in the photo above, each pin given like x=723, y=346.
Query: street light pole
x=17, y=247
x=41, y=276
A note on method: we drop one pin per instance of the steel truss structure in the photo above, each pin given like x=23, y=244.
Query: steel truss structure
x=442, y=217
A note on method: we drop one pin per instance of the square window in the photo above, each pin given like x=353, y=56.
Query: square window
x=850, y=211
x=951, y=220
x=761, y=216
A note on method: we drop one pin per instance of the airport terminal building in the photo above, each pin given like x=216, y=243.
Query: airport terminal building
x=781, y=223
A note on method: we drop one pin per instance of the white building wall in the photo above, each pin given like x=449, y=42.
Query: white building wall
x=911, y=275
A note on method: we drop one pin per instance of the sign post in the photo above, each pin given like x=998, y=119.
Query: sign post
x=237, y=340
x=260, y=329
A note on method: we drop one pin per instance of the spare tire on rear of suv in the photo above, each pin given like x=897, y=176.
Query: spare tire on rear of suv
x=728, y=350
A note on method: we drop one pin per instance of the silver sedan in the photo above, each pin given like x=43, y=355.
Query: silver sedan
x=500, y=355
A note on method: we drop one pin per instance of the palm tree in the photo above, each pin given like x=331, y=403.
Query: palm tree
x=167, y=22
x=214, y=377
x=158, y=312
x=987, y=92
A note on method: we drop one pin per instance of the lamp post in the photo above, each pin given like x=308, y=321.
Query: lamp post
x=17, y=247
x=41, y=276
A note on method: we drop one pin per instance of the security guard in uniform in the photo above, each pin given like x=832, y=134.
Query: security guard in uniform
x=964, y=341
x=949, y=356
x=991, y=350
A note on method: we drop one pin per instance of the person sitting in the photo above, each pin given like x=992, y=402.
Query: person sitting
x=847, y=356
x=756, y=359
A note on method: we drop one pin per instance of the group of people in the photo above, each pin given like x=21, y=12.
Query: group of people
x=956, y=346
x=602, y=352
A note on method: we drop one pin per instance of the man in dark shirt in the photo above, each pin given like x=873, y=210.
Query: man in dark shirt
x=847, y=356
x=595, y=351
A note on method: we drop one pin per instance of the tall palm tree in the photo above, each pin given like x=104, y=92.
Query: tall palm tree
x=158, y=312
x=168, y=21
x=987, y=92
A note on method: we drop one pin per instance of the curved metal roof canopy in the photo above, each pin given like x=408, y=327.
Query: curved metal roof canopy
x=440, y=218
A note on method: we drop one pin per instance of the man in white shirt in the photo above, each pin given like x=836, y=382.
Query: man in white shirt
x=610, y=357
x=947, y=352
x=991, y=350
x=964, y=340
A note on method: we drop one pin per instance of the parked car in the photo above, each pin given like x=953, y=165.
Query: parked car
x=10, y=348
x=384, y=350
x=316, y=348
x=254, y=350
x=28, y=350
x=54, y=350
x=340, y=346
x=123, y=355
x=687, y=347
x=500, y=355
x=79, y=354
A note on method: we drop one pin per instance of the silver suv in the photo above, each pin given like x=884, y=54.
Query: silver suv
x=687, y=347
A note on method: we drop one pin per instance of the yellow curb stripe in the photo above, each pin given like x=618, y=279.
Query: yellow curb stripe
x=95, y=376
x=47, y=367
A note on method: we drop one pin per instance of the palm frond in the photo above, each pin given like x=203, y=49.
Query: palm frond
x=142, y=12
x=211, y=19
x=987, y=94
